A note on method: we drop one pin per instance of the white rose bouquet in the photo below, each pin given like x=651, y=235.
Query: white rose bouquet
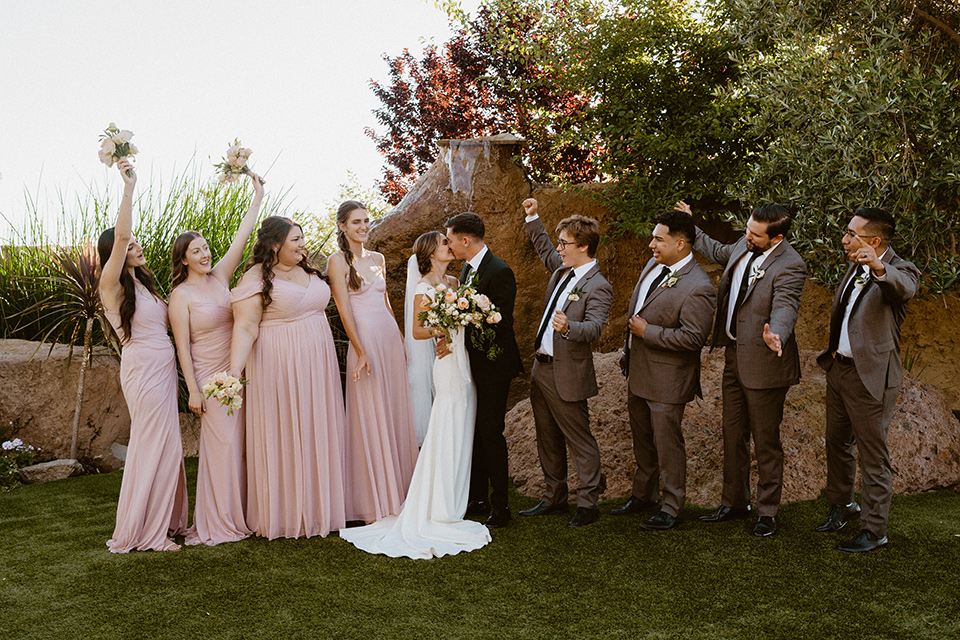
x=115, y=145
x=226, y=389
x=449, y=309
x=234, y=163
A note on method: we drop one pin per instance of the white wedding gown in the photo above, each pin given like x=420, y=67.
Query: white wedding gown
x=430, y=523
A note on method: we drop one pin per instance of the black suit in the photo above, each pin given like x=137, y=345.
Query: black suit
x=495, y=279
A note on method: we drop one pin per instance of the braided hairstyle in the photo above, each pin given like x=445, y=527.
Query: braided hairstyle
x=273, y=231
x=128, y=302
x=343, y=214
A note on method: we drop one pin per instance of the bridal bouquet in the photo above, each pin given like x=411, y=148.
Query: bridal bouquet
x=226, y=389
x=115, y=145
x=234, y=164
x=450, y=309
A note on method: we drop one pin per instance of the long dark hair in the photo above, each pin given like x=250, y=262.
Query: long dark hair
x=343, y=214
x=273, y=231
x=128, y=304
x=178, y=270
x=424, y=247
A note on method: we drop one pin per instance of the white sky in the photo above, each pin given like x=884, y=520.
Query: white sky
x=288, y=77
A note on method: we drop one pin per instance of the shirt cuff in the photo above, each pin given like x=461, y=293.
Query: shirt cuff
x=531, y=218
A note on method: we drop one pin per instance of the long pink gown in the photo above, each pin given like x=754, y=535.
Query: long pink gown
x=153, y=492
x=294, y=416
x=218, y=515
x=381, y=439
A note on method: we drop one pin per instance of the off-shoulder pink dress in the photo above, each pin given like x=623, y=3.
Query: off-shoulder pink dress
x=153, y=492
x=294, y=415
x=381, y=439
x=218, y=515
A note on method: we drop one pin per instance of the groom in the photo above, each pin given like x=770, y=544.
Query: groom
x=494, y=278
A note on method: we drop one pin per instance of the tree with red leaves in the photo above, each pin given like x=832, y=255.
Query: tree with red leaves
x=472, y=87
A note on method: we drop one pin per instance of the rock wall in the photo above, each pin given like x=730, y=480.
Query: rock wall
x=37, y=397
x=924, y=437
x=931, y=338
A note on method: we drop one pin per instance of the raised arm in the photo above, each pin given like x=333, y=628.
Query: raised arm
x=705, y=245
x=338, y=269
x=539, y=237
x=123, y=236
x=227, y=265
x=179, y=313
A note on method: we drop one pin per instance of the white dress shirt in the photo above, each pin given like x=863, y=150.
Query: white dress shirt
x=656, y=271
x=475, y=261
x=546, y=343
x=843, y=347
x=738, y=274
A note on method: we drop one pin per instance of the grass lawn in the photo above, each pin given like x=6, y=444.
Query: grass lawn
x=538, y=579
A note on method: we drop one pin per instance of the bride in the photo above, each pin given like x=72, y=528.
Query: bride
x=431, y=522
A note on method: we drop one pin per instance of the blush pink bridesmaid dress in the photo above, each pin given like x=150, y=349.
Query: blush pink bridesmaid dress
x=218, y=515
x=381, y=439
x=153, y=492
x=294, y=416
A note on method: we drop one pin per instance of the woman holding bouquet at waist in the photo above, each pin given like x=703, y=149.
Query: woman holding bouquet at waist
x=201, y=316
x=381, y=445
x=294, y=402
x=153, y=493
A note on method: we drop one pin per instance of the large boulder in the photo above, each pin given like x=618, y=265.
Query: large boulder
x=49, y=471
x=924, y=437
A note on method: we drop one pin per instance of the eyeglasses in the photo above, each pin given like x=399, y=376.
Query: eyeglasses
x=562, y=244
x=852, y=234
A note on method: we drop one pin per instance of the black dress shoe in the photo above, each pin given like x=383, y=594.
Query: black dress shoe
x=839, y=516
x=660, y=522
x=544, y=508
x=866, y=541
x=724, y=514
x=584, y=516
x=477, y=508
x=766, y=526
x=634, y=505
x=498, y=518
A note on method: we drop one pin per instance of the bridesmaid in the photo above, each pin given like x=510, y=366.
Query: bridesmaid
x=153, y=492
x=381, y=445
x=294, y=402
x=202, y=320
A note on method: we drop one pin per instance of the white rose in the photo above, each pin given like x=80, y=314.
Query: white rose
x=126, y=135
x=133, y=149
x=239, y=161
x=232, y=151
x=107, y=146
x=245, y=153
x=117, y=140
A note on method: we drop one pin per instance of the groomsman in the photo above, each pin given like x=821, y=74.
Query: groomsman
x=864, y=374
x=576, y=307
x=494, y=278
x=757, y=306
x=670, y=315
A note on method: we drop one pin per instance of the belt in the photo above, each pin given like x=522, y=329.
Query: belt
x=842, y=359
x=544, y=358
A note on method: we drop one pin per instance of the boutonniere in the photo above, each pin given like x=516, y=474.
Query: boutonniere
x=861, y=281
x=671, y=282
x=575, y=294
x=756, y=273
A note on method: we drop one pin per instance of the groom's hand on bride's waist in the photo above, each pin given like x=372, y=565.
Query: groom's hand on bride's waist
x=442, y=349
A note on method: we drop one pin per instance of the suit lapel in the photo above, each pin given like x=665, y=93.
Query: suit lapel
x=869, y=284
x=679, y=274
x=767, y=263
x=636, y=290
x=594, y=270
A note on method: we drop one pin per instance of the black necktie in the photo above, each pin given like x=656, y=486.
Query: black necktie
x=741, y=294
x=553, y=305
x=664, y=271
x=836, y=323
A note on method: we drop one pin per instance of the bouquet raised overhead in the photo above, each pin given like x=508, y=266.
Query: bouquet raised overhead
x=234, y=163
x=115, y=145
x=454, y=308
